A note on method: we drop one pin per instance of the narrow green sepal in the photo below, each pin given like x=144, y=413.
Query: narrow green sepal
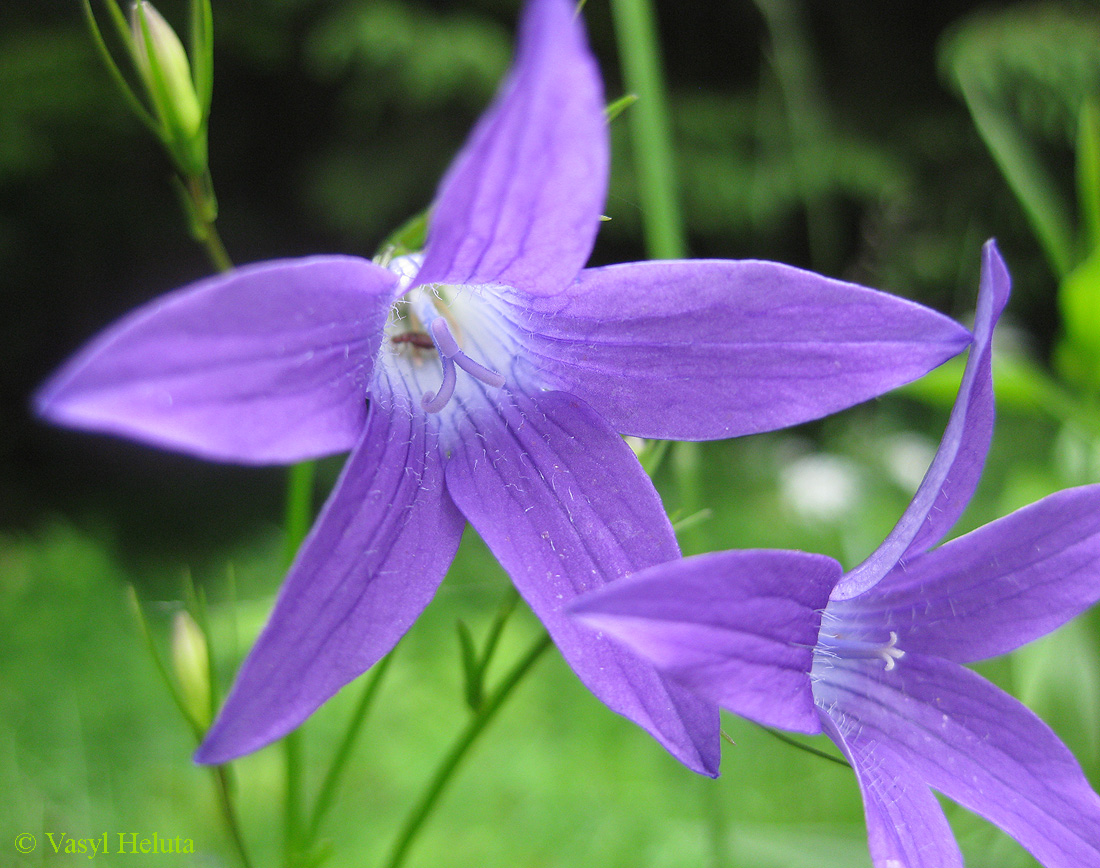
x=158, y=662
x=617, y=107
x=202, y=53
x=196, y=226
x=694, y=519
x=117, y=77
x=650, y=452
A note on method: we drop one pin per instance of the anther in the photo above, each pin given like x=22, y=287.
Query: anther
x=417, y=339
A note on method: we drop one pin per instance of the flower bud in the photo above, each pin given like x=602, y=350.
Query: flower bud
x=192, y=667
x=162, y=63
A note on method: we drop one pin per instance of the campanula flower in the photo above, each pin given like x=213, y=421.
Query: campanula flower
x=486, y=379
x=874, y=658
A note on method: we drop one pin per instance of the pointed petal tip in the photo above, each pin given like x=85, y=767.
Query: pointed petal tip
x=576, y=512
x=266, y=364
x=209, y=753
x=711, y=349
x=221, y=745
x=995, y=285
x=520, y=205
x=953, y=476
x=43, y=403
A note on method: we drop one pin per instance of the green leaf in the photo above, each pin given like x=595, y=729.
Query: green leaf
x=1078, y=355
x=407, y=238
x=474, y=686
x=1042, y=203
x=1088, y=172
x=1024, y=73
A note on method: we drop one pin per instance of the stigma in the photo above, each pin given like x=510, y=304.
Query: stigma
x=451, y=356
x=838, y=645
x=427, y=319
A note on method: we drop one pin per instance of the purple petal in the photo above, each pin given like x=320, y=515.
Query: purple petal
x=737, y=627
x=953, y=475
x=521, y=204
x=373, y=560
x=565, y=507
x=906, y=827
x=997, y=588
x=977, y=745
x=708, y=349
x=266, y=364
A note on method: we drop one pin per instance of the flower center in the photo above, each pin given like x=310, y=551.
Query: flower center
x=830, y=644
x=424, y=318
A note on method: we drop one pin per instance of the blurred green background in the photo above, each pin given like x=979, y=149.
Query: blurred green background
x=827, y=135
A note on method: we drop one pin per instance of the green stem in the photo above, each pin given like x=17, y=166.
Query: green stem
x=202, y=210
x=650, y=129
x=225, y=797
x=297, y=518
x=339, y=761
x=496, y=630
x=292, y=797
x=786, y=739
x=807, y=122
x=215, y=250
x=298, y=514
x=1088, y=173
x=444, y=774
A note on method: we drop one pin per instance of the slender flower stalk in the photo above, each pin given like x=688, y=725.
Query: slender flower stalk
x=445, y=773
x=874, y=657
x=220, y=774
x=326, y=794
x=486, y=379
x=650, y=129
x=176, y=89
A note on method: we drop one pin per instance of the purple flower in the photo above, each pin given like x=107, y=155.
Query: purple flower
x=487, y=381
x=874, y=658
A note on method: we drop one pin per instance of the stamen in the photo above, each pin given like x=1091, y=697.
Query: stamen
x=417, y=339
